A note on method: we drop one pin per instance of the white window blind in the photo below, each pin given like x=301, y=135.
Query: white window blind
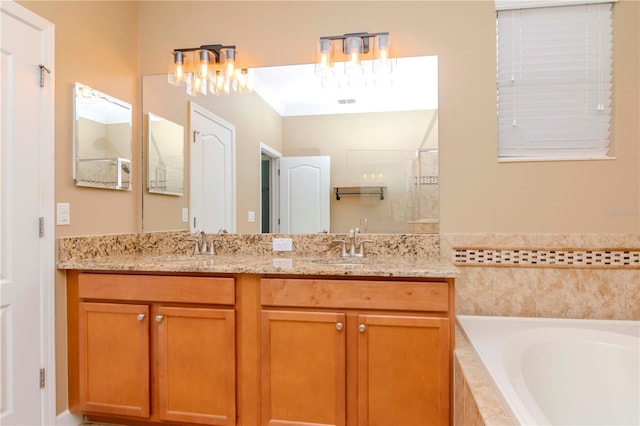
x=554, y=81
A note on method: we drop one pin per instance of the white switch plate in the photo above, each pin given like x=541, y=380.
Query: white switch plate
x=282, y=244
x=251, y=217
x=63, y=214
x=185, y=214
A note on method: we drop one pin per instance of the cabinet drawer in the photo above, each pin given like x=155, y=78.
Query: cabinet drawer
x=152, y=288
x=356, y=294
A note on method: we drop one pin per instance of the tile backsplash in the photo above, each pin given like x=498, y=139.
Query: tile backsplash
x=546, y=275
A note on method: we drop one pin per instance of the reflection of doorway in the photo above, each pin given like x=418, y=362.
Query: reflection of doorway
x=270, y=189
x=304, y=194
x=212, y=156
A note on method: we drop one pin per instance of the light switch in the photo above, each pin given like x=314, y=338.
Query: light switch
x=185, y=214
x=251, y=217
x=63, y=214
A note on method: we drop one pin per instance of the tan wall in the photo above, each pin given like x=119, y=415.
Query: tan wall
x=478, y=194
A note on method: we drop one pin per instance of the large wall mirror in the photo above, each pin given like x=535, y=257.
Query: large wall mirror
x=381, y=140
x=103, y=140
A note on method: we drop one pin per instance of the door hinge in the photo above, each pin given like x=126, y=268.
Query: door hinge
x=278, y=221
x=42, y=376
x=194, y=222
x=42, y=70
x=278, y=172
x=41, y=227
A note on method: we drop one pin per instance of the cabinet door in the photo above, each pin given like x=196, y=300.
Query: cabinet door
x=403, y=370
x=303, y=368
x=114, y=358
x=196, y=365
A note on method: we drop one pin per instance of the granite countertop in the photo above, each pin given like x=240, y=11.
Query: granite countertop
x=375, y=265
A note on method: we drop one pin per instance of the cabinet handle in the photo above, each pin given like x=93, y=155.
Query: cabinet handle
x=362, y=328
x=141, y=317
x=339, y=326
x=159, y=318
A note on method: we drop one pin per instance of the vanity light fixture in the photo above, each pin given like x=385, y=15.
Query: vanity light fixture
x=210, y=68
x=357, y=54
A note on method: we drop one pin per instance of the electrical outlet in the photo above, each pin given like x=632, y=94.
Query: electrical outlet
x=63, y=214
x=185, y=214
x=282, y=244
x=251, y=217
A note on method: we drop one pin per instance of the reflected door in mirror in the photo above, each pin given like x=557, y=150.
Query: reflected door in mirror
x=212, y=172
x=304, y=194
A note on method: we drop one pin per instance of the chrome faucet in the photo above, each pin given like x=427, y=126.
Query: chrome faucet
x=202, y=245
x=356, y=248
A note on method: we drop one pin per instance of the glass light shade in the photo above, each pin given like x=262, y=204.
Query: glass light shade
x=230, y=61
x=353, y=49
x=218, y=83
x=204, y=60
x=241, y=82
x=324, y=58
x=179, y=66
x=382, y=63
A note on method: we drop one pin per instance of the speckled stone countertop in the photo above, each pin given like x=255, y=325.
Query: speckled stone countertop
x=375, y=265
x=393, y=255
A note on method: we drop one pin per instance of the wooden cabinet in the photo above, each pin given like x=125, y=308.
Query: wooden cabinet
x=248, y=349
x=352, y=366
x=155, y=361
x=114, y=358
x=303, y=368
x=403, y=370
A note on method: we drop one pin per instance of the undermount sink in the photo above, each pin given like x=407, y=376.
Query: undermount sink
x=169, y=258
x=344, y=261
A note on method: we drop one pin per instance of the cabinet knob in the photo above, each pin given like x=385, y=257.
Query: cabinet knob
x=141, y=317
x=339, y=326
x=159, y=318
x=362, y=328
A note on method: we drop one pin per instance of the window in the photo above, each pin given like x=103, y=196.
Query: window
x=554, y=81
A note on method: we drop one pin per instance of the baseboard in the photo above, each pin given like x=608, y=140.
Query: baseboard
x=66, y=418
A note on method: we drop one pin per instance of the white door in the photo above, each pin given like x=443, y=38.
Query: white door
x=26, y=257
x=304, y=194
x=212, y=159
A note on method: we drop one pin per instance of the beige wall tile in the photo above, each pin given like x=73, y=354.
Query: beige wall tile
x=475, y=291
x=558, y=293
x=633, y=291
x=605, y=293
x=472, y=415
x=515, y=292
x=458, y=394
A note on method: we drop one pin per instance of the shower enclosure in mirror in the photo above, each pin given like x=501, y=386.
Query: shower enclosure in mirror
x=103, y=140
x=376, y=137
x=165, y=156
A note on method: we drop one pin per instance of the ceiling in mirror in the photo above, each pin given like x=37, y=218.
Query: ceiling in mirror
x=295, y=90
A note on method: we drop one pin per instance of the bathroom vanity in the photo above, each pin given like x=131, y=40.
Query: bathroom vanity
x=261, y=340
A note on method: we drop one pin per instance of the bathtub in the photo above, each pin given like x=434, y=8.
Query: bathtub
x=560, y=371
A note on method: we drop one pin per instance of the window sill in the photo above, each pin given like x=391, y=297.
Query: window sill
x=547, y=159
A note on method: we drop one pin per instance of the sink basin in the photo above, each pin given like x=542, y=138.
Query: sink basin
x=344, y=261
x=170, y=258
